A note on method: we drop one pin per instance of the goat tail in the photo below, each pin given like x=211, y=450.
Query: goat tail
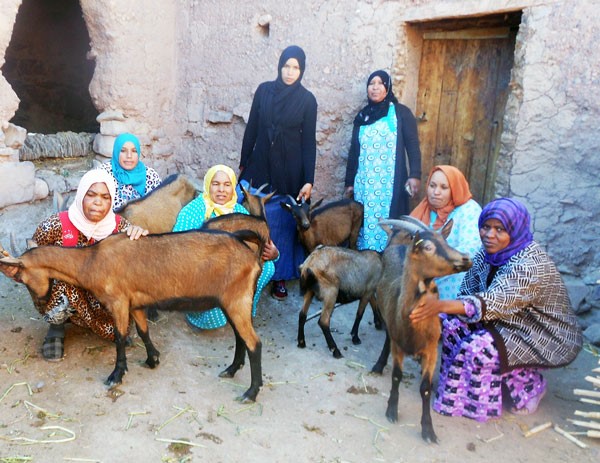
x=308, y=281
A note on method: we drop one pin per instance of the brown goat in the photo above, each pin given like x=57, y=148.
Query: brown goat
x=334, y=274
x=413, y=256
x=254, y=202
x=157, y=212
x=195, y=270
x=332, y=224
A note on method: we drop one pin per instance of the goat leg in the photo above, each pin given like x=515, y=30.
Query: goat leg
x=255, y=375
x=428, y=362
x=383, y=357
x=116, y=377
x=392, y=408
x=359, y=315
x=238, y=357
x=141, y=324
x=377, y=320
x=308, y=296
x=325, y=322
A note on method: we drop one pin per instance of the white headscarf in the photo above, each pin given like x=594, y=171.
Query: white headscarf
x=96, y=230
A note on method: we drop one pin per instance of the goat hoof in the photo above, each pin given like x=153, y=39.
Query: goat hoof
x=115, y=378
x=391, y=416
x=249, y=396
x=337, y=354
x=429, y=436
x=153, y=362
x=302, y=344
x=356, y=340
x=377, y=370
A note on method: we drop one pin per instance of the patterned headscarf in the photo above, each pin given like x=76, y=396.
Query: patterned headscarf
x=96, y=230
x=460, y=194
x=516, y=220
x=135, y=177
x=219, y=209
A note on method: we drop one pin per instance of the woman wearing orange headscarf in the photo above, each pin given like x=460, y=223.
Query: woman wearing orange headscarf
x=448, y=197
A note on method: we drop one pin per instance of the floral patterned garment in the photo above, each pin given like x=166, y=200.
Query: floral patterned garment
x=68, y=302
x=374, y=181
x=126, y=193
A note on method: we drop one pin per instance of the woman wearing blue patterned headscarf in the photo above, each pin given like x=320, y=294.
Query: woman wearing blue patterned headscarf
x=134, y=179
x=512, y=320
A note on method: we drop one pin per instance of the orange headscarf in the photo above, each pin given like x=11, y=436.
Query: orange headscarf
x=460, y=194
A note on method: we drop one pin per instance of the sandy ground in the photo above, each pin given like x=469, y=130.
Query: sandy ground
x=312, y=408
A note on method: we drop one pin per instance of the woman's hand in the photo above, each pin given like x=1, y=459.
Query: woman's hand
x=430, y=306
x=415, y=185
x=349, y=192
x=134, y=232
x=305, y=192
x=270, y=251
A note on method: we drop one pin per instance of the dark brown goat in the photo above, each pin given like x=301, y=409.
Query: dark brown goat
x=334, y=274
x=195, y=270
x=413, y=256
x=331, y=224
x=157, y=212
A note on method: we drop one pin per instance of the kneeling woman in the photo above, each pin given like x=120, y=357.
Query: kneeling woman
x=89, y=219
x=512, y=320
x=220, y=198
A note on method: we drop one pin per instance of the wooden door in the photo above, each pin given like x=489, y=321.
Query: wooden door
x=463, y=87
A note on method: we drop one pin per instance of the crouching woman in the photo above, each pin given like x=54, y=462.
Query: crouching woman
x=512, y=320
x=88, y=220
x=219, y=197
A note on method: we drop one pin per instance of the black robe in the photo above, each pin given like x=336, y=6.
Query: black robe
x=280, y=149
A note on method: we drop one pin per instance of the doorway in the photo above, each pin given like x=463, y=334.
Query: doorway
x=464, y=76
x=46, y=64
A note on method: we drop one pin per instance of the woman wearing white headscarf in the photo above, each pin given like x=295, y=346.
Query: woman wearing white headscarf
x=89, y=219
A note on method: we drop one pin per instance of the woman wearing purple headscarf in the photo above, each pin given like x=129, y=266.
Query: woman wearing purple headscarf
x=512, y=320
x=384, y=141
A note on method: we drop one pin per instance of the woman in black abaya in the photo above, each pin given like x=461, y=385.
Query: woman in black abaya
x=279, y=148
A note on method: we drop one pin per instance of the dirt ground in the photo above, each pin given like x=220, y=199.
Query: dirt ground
x=312, y=408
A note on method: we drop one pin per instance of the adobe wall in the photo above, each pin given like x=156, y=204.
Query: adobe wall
x=182, y=75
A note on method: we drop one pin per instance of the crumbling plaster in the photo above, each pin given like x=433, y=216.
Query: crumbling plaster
x=183, y=73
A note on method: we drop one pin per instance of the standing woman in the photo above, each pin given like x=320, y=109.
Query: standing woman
x=279, y=148
x=88, y=220
x=512, y=319
x=133, y=178
x=448, y=196
x=384, y=140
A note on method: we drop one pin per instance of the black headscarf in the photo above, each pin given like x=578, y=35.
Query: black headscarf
x=286, y=98
x=375, y=111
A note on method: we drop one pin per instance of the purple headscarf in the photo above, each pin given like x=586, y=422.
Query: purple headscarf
x=516, y=220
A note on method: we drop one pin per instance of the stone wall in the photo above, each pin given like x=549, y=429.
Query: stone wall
x=181, y=75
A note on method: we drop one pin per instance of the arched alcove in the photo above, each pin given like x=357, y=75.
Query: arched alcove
x=46, y=65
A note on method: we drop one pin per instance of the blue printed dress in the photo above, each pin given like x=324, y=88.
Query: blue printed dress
x=464, y=237
x=374, y=180
x=191, y=217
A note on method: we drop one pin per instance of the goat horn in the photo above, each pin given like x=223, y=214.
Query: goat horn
x=414, y=221
x=406, y=225
x=292, y=199
x=260, y=188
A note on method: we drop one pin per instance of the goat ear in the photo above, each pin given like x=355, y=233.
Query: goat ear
x=316, y=204
x=244, y=190
x=445, y=231
x=266, y=198
x=31, y=244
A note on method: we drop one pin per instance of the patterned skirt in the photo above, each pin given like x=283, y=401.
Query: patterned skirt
x=470, y=383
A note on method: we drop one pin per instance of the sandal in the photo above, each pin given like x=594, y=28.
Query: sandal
x=530, y=407
x=53, y=349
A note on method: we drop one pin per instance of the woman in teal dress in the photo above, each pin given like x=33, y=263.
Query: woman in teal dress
x=384, y=141
x=219, y=197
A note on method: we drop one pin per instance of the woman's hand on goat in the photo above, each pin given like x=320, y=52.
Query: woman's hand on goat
x=430, y=306
x=305, y=192
x=270, y=251
x=134, y=232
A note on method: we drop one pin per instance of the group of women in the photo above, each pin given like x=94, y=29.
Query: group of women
x=504, y=321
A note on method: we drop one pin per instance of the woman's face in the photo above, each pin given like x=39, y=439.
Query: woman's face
x=290, y=72
x=221, y=188
x=129, y=156
x=494, y=236
x=376, y=91
x=439, y=193
x=96, y=202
